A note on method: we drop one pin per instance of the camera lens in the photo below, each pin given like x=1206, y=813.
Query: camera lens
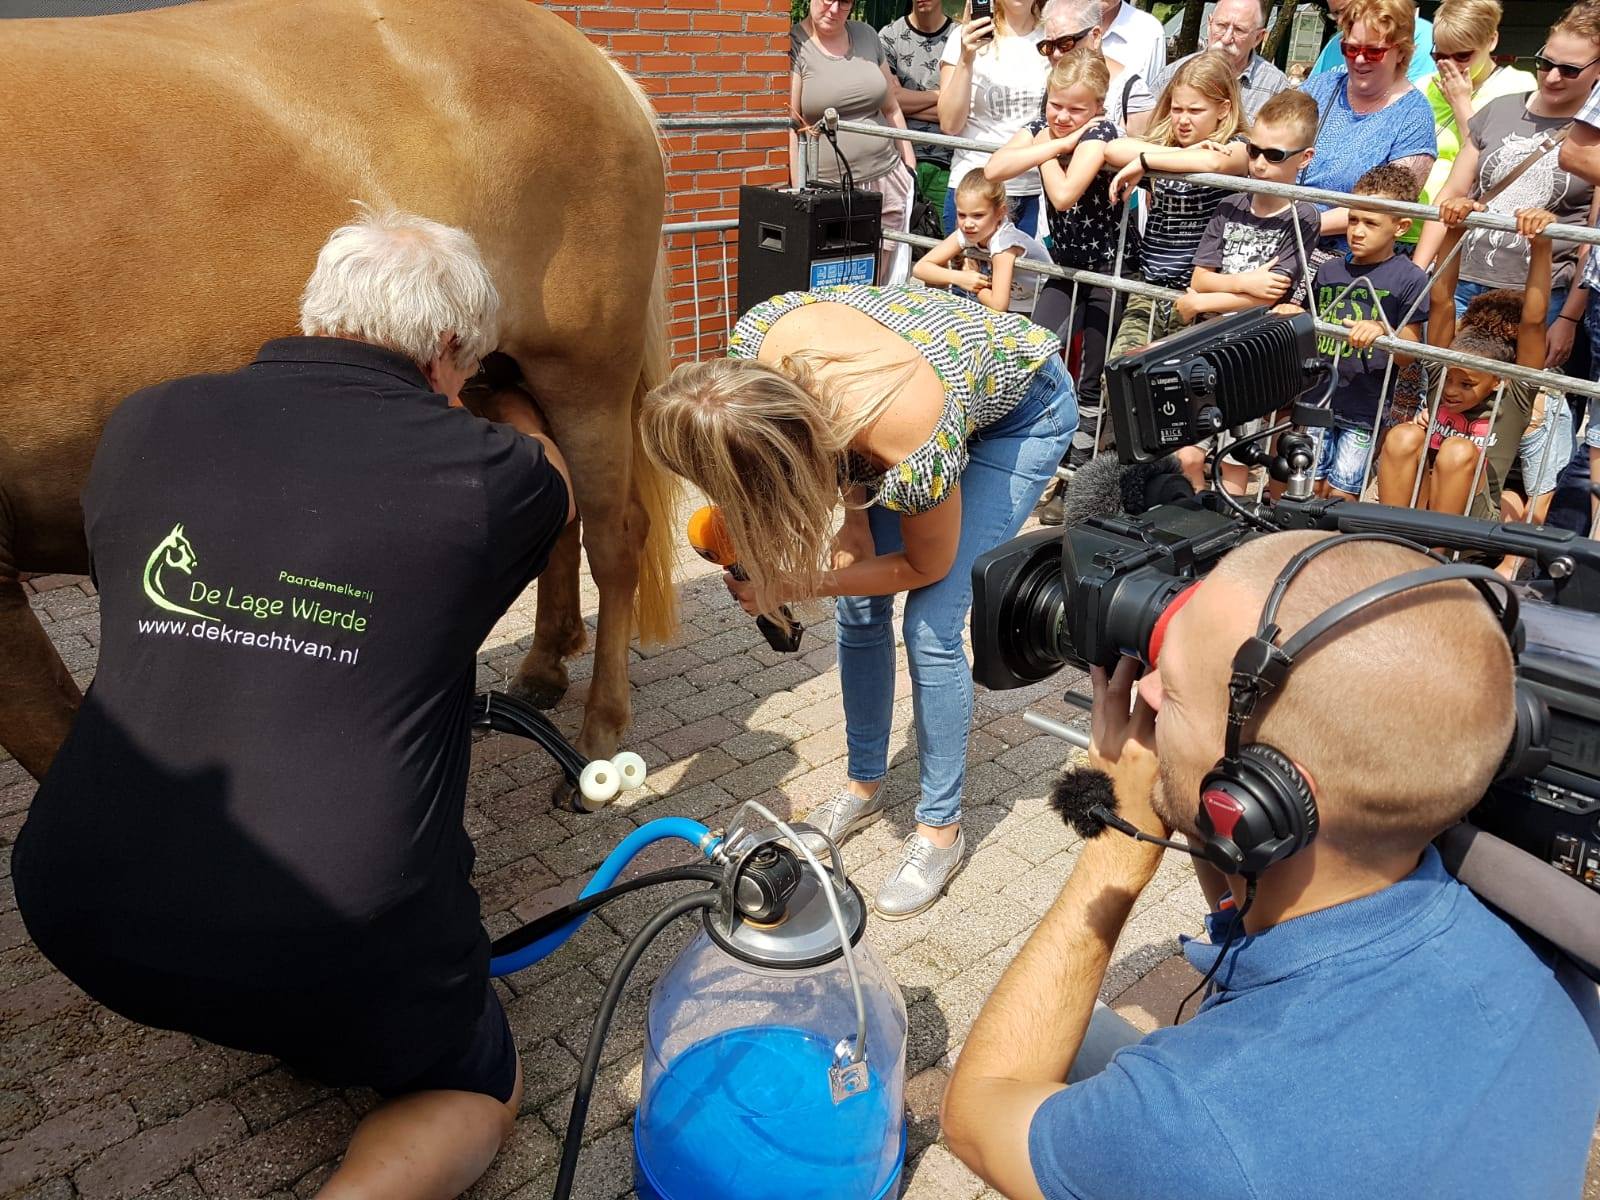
x=1032, y=633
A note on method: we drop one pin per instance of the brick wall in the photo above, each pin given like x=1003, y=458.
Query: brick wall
x=702, y=58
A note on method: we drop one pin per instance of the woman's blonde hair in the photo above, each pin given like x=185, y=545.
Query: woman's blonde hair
x=1002, y=28
x=769, y=446
x=1580, y=20
x=1396, y=20
x=1469, y=24
x=1214, y=77
x=1082, y=68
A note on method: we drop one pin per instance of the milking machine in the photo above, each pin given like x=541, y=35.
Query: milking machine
x=775, y=1043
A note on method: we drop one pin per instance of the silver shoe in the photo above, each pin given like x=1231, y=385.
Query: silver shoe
x=924, y=872
x=843, y=815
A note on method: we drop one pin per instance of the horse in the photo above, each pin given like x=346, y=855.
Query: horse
x=170, y=177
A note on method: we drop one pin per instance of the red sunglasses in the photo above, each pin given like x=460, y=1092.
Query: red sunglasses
x=1370, y=53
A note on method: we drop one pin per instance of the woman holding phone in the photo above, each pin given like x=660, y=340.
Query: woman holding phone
x=991, y=84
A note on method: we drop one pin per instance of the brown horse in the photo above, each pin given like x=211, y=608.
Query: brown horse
x=170, y=176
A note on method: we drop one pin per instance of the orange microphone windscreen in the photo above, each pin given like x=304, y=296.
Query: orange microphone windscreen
x=708, y=534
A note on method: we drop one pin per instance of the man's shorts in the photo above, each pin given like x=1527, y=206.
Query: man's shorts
x=1342, y=458
x=393, y=1033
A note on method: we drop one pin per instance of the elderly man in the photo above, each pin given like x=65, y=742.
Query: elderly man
x=254, y=831
x=1375, y=1030
x=1237, y=28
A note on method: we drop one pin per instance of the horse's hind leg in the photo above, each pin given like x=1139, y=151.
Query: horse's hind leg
x=588, y=406
x=38, y=698
x=558, y=631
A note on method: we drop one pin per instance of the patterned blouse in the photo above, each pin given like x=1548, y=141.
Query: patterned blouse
x=985, y=359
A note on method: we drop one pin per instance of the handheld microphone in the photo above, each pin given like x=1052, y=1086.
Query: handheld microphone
x=1087, y=804
x=708, y=534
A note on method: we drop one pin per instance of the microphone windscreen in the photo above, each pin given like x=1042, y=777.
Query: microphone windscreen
x=1078, y=790
x=708, y=534
x=1146, y=485
x=1095, y=490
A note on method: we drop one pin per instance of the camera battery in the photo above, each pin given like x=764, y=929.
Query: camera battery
x=797, y=240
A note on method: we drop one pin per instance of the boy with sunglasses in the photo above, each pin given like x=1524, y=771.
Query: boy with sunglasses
x=1250, y=253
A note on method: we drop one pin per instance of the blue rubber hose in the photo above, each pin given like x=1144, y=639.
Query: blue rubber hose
x=659, y=830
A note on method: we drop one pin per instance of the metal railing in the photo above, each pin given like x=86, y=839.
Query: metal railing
x=1440, y=357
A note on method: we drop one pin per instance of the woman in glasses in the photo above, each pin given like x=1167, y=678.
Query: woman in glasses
x=1369, y=112
x=1465, y=78
x=839, y=63
x=1072, y=25
x=1509, y=160
x=991, y=83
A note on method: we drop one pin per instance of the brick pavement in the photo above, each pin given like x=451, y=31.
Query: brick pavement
x=93, y=1106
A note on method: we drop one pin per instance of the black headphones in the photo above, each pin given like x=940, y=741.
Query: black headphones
x=1256, y=808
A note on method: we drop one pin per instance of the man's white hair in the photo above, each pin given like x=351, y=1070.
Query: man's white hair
x=406, y=283
x=1080, y=13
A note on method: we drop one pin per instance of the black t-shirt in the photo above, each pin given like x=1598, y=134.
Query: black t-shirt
x=297, y=563
x=1085, y=235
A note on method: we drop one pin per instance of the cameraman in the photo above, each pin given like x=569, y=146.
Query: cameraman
x=1376, y=1031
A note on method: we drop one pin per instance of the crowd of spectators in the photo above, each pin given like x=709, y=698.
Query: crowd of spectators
x=1081, y=97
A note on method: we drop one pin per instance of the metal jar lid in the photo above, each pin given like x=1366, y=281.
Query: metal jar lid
x=806, y=937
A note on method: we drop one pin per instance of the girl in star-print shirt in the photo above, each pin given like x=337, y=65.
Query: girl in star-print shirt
x=1083, y=220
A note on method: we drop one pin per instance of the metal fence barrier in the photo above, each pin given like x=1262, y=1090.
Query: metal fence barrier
x=1550, y=381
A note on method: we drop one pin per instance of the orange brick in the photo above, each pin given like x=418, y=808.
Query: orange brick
x=716, y=64
x=662, y=64
x=767, y=62
x=767, y=24
x=718, y=20
x=607, y=18
x=744, y=83
x=745, y=43
x=664, y=20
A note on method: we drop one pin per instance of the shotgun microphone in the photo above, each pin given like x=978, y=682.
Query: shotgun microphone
x=708, y=534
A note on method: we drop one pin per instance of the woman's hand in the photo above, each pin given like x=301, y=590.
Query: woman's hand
x=743, y=591
x=1532, y=222
x=853, y=543
x=1454, y=212
x=975, y=35
x=1455, y=82
x=971, y=280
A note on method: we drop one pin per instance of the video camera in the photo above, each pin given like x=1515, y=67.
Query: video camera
x=1096, y=590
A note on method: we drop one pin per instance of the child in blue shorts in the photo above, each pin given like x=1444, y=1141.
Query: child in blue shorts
x=1370, y=290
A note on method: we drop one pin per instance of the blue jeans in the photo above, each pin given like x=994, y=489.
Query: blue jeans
x=1024, y=211
x=1467, y=291
x=1007, y=467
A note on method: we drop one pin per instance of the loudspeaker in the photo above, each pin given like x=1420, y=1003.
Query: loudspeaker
x=797, y=240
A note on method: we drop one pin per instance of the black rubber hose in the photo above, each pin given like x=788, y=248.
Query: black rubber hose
x=553, y=920
x=573, y=1142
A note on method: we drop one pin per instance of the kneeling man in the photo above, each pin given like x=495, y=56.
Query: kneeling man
x=254, y=831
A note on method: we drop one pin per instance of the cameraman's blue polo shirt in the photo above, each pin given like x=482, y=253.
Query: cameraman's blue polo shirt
x=1405, y=1044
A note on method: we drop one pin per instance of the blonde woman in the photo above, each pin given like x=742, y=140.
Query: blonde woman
x=991, y=83
x=938, y=423
x=1465, y=36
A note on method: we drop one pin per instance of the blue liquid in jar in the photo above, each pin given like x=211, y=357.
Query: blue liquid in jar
x=748, y=1113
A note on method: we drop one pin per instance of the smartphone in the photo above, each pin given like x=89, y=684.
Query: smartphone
x=982, y=8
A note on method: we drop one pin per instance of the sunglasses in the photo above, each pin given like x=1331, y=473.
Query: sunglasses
x=1568, y=71
x=1065, y=44
x=1370, y=53
x=1461, y=57
x=1271, y=153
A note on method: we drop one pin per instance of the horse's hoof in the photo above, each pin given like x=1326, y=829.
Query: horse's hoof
x=537, y=692
x=569, y=797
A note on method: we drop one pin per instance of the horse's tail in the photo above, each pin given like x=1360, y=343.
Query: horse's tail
x=656, y=602
x=655, y=606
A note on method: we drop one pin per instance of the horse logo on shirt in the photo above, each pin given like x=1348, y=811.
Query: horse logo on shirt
x=175, y=552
